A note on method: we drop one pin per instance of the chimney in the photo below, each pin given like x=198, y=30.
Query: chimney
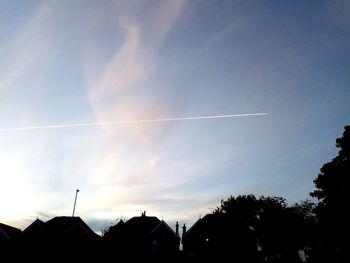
x=183, y=233
x=144, y=213
x=177, y=228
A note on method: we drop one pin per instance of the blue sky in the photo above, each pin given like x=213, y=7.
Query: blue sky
x=66, y=62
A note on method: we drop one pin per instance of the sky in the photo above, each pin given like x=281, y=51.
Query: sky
x=71, y=62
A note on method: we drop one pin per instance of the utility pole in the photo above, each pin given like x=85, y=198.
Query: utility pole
x=75, y=200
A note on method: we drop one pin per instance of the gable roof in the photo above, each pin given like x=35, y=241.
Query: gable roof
x=195, y=226
x=141, y=227
x=8, y=232
x=35, y=231
x=59, y=227
x=218, y=225
x=69, y=226
x=164, y=231
x=142, y=224
x=114, y=229
x=163, y=226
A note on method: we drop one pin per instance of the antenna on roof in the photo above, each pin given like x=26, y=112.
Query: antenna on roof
x=75, y=201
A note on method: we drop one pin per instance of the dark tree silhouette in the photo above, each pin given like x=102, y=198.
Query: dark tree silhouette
x=333, y=180
x=279, y=229
x=301, y=228
x=332, y=191
x=243, y=208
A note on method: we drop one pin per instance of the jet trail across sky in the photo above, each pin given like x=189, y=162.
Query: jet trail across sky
x=132, y=121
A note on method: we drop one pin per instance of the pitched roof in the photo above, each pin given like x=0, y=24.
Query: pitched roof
x=117, y=228
x=142, y=224
x=163, y=230
x=35, y=231
x=68, y=225
x=8, y=232
x=59, y=227
x=161, y=226
x=218, y=224
x=194, y=226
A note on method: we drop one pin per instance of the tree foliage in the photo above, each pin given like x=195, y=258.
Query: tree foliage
x=332, y=182
x=332, y=191
x=277, y=226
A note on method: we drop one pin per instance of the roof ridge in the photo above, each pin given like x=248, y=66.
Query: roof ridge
x=162, y=222
x=36, y=221
x=81, y=225
x=197, y=222
x=6, y=235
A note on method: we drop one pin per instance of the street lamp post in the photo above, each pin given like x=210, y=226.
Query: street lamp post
x=75, y=200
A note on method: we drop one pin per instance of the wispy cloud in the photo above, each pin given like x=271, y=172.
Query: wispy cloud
x=28, y=49
x=116, y=94
x=128, y=67
x=123, y=185
x=163, y=17
x=223, y=33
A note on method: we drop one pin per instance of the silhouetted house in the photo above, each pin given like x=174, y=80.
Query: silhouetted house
x=217, y=235
x=70, y=228
x=61, y=237
x=8, y=242
x=145, y=235
x=61, y=228
x=8, y=233
x=113, y=231
x=36, y=231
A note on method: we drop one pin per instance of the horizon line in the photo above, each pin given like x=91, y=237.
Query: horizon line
x=52, y=126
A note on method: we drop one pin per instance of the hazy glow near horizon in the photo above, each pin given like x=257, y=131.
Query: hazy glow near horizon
x=141, y=73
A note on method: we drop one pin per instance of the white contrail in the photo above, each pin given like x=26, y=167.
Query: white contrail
x=132, y=121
